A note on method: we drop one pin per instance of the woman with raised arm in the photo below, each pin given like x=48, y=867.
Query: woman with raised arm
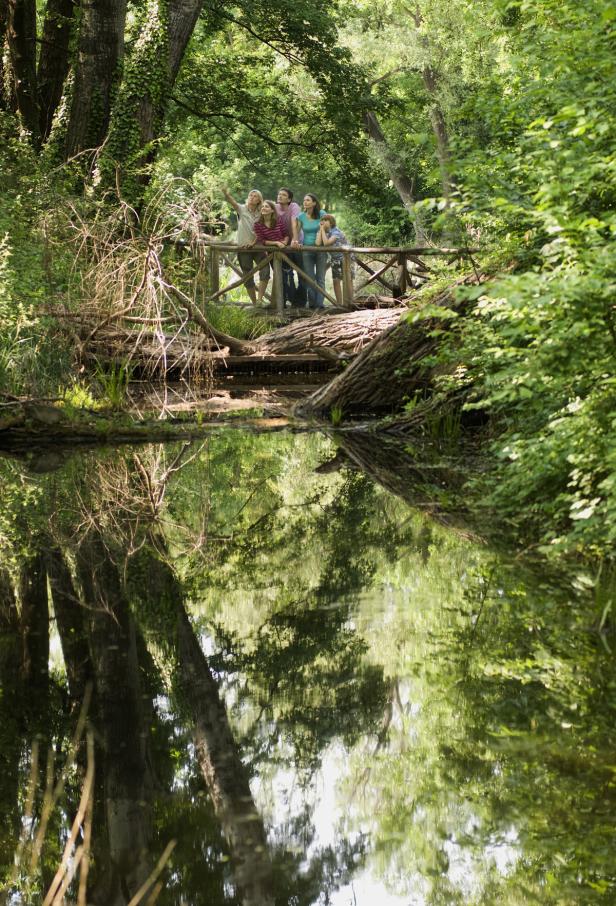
x=313, y=263
x=247, y=215
x=270, y=230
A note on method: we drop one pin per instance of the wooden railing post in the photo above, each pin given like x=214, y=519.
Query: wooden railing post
x=277, y=288
x=347, y=280
x=214, y=271
x=402, y=275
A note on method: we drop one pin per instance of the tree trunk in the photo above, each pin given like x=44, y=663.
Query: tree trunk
x=99, y=58
x=34, y=621
x=4, y=73
x=396, y=170
x=183, y=15
x=146, y=87
x=54, y=59
x=127, y=782
x=69, y=613
x=439, y=127
x=21, y=34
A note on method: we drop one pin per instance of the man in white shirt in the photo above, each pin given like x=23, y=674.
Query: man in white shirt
x=247, y=214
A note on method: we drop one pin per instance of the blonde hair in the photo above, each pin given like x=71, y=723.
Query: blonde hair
x=255, y=192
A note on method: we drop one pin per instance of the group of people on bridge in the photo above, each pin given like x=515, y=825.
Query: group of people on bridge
x=282, y=224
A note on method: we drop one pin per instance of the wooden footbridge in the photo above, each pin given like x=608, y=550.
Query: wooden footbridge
x=398, y=269
x=305, y=347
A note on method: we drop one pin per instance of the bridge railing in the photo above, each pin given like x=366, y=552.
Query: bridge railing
x=404, y=264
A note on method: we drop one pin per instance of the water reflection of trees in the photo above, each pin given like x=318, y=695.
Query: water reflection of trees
x=97, y=535
x=213, y=597
x=495, y=785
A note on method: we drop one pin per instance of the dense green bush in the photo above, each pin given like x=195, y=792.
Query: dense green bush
x=541, y=347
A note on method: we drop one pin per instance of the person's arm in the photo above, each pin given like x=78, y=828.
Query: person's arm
x=234, y=204
x=284, y=239
x=296, y=225
x=321, y=237
x=295, y=211
x=276, y=243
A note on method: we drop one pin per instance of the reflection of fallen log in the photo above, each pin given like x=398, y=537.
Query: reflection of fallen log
x=416, y=473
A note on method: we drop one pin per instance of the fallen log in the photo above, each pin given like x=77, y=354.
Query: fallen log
x=348, y=332
x=393, y=368
x=191, y=351
x=151, y=353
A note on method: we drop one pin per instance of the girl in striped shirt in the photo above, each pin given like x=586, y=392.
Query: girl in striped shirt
x=269, y=230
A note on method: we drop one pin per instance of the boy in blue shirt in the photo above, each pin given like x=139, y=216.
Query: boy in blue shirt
x=330, y=235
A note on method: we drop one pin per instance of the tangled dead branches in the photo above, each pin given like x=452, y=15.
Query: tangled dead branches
x=142, y=270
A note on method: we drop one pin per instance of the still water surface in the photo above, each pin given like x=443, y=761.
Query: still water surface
x=318, y=687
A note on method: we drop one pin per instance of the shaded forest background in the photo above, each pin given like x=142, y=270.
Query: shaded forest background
x=489, y=123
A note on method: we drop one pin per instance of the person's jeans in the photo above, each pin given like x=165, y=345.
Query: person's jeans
x=288, y=281
x=314, y=264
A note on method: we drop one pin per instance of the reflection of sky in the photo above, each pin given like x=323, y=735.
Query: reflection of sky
x=281, y=798
x=285, y=798
x=363, y=891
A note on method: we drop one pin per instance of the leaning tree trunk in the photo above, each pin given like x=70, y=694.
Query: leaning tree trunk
x=99, y=58
x=396, y=171
x=379, y=379
x=388, y=372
